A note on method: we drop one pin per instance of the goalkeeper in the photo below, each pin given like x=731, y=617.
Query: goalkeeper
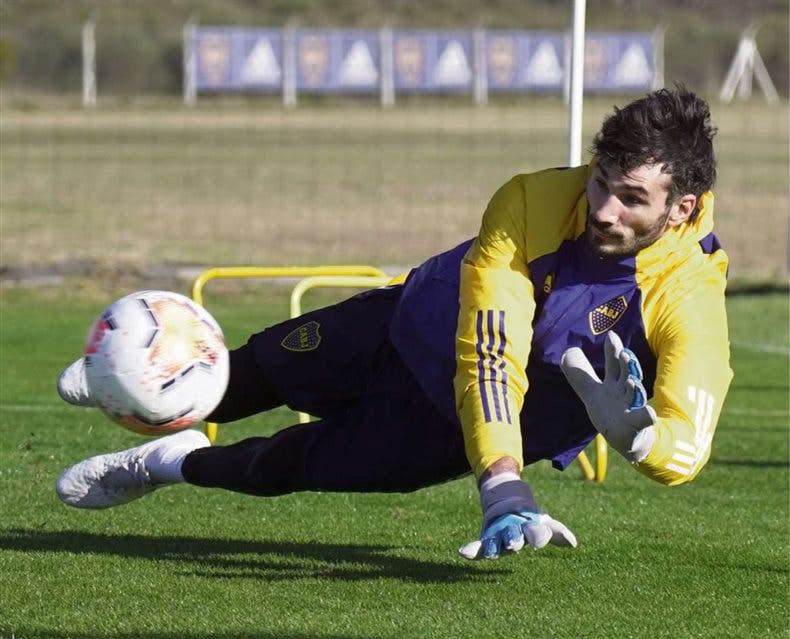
x=591, y=301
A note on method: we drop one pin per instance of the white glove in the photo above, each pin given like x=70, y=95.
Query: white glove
x=511, y=520
x=617, y=406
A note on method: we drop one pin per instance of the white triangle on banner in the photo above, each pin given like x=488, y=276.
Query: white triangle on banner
x=358, y=68
x=261, y=65
x=453, y=67
x=544, y=67
x=633, y=68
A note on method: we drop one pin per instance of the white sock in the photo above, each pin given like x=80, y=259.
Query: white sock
x=164, y=461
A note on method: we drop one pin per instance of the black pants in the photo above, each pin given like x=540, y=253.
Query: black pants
x=377, y=431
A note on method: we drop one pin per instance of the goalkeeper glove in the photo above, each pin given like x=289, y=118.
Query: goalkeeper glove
x=617, y=406
x=512, y=519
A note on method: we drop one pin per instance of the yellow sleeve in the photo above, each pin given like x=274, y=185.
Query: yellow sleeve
x=494, y=332
x=692, y=379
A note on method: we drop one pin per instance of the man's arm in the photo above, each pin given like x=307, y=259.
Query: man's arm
x=670, y=439
x=494, y=332
x=501, y=465
x=692, y=380
x=492, y=348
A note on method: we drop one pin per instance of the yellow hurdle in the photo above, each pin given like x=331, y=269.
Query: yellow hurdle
x=270, y=272
x=331, y=281
x=352, y=276
x=597, y=473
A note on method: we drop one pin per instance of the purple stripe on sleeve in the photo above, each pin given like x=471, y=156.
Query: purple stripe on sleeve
x=481, y=368
x=500, y=355
x=492, y=367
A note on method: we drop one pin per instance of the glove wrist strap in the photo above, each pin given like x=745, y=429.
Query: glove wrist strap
x=505, y=493
x=495, y=480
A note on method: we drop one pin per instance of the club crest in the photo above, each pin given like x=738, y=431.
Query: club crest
x=606, y=315
x=304, y=338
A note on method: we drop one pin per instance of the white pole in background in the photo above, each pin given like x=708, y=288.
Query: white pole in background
x=658, y=57
x=576, y=89
x=387, y=66
x=89, y=63
x=289, y=65
x=481, y=66
x=190, y=61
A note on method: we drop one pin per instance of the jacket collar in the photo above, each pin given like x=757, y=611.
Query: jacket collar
x=678, y=242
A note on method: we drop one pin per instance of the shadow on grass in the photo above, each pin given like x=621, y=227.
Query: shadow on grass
x=248, y=559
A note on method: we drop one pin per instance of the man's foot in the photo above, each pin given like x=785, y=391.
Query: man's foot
x=73, y=384
x=117, y=478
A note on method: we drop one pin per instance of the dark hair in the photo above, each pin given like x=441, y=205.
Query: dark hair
x=670, y=127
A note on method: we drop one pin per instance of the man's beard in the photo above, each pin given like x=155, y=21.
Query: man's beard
x=614, y=245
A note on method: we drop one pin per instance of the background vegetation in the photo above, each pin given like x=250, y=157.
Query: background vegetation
x=139, y=43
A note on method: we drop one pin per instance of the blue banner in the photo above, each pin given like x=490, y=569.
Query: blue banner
x=432, y=61
x=619, y=62
x=337, y=61
x=420, y=61
x=230, y=59
x=525, y=60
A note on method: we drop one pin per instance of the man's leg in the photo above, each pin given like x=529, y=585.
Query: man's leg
x=317, y=363
x=247, y=393
x=392, y=440
x=112, y=479
x=377, y=432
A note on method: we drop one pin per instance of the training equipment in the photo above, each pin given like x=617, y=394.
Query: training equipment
x=617, y=406
x=118, y=478
x=512, y=519
x=314, y=277
x=156, y=362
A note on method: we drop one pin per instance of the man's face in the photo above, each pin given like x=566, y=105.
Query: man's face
x=627, y=212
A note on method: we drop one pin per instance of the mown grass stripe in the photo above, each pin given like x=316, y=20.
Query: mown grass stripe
x=769, y=349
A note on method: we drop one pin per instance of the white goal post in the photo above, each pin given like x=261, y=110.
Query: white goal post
x=576, y=84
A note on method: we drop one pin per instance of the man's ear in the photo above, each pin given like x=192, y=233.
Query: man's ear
x=682, y=209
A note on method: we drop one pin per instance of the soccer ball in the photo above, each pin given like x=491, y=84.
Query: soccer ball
x=156, y=362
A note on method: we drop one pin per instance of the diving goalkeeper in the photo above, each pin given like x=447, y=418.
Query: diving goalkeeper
x=591, y=301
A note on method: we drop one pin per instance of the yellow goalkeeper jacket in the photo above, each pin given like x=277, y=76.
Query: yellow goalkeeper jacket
x=483, y=327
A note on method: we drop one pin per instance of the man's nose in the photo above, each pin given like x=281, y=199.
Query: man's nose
x=608, y=212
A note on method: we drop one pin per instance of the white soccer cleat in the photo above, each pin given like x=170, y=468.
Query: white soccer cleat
x=73, y=384
x=117, y=478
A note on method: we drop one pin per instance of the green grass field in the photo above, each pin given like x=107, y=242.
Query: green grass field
x=706, y=560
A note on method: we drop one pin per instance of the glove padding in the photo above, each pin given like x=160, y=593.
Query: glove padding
x=617, y=406
x=511, y=520
x=510, y=533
